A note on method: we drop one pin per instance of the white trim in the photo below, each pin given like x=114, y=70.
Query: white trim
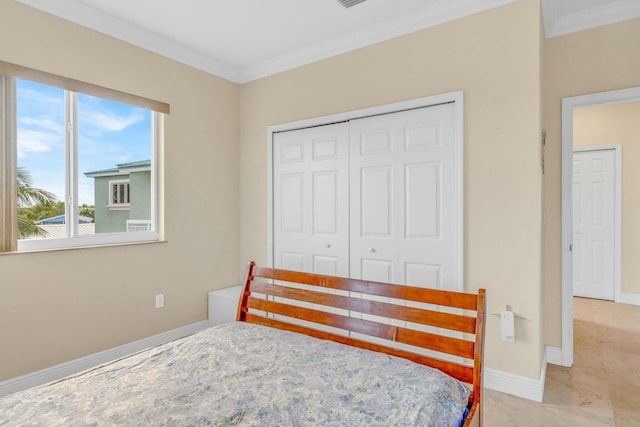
x=87, y=16
x=554, y=355
x=629, y=298
x=557, y=23
x=515, y=384
x=120, y=207
x=87, y=241
x=99, y=175
x=568, y=105
x=57, y=372
x=435, y=14
x=123, y=172
x=138, y=169
x=114, y=182
x=157, y=136
x=71, y=166
x=456, y=97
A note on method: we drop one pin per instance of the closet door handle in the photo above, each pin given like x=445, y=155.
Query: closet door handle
x=328, y=246
x=372, y=249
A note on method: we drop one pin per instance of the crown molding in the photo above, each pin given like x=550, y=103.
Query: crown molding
x=419, y=20
x=81, y=14
x=557, y=24
x=439, y=13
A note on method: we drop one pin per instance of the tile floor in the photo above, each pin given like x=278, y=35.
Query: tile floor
x=602, y=388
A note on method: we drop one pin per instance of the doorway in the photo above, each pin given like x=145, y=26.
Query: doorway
x=569, y=105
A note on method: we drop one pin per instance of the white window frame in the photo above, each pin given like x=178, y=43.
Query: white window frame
x=73, y=238
x=127, y=195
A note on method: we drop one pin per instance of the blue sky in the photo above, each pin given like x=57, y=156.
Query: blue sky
x=108, y=133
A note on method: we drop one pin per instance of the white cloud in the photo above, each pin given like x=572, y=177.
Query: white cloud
x=108, y=121
x=33, y=141
x=43, y=123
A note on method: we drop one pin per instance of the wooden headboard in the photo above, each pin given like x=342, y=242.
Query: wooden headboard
x=383, y=317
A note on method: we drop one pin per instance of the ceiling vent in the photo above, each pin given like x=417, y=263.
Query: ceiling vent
x=349, y=3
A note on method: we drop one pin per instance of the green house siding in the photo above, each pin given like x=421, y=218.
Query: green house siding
x=140, y=188
x=111, y=219
x=108, y=220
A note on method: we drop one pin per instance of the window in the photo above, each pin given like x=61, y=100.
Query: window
x=119, y=193
x=79, y=168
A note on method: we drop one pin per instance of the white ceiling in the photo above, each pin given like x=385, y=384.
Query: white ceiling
x=243, y=40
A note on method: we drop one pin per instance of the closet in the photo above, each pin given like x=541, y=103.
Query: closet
x=375, y=198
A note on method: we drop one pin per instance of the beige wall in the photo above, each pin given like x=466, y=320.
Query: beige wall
x=494, y=58
x=618, y=124
x=597, y=60
x=70, y=304
x=56, y=306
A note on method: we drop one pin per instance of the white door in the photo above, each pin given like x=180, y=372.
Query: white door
x=593, y=223
x=311, y=200
x=404, y=185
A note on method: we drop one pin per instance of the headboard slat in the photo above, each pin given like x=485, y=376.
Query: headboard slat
x=443, y=344
x=411, y=293
x=454, y=322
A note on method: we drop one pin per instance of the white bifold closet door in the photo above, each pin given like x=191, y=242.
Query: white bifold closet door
x=402, y=214
x=375, y=198
x=311, y=200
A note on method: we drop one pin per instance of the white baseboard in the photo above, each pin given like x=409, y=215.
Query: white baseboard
x=56, y=372
x=554, y=355
x=629, y=298
x=515, y=384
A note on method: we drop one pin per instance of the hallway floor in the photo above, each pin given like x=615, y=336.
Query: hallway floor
x=602, y=388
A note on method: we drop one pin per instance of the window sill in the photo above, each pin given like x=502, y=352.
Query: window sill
x=75, y=248
x=118, y=207
x=94, y=240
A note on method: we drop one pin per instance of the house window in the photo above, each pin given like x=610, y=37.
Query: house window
x=78, y=168
x=119, y=193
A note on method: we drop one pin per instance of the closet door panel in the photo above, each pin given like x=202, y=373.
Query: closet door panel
x=422, y=201
x=407, y=218
x=376, y=194
x=310, y=200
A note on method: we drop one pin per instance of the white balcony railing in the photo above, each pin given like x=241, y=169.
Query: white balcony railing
x=135, y=225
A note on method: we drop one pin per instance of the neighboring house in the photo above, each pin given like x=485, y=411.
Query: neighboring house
x=123, y=197
x=60, y=219
x=54, y=227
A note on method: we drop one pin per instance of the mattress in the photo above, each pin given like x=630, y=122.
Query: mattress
x=241, y=374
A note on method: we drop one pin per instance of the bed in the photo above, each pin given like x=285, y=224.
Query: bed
x=307, y=349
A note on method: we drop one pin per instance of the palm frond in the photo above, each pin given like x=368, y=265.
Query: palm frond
x=29, y=195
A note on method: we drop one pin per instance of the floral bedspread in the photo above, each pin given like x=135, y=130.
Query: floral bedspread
x=242, y=374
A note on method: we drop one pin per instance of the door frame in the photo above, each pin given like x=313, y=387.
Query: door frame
x=456, y=97
x=617, y=214
x=568, y=105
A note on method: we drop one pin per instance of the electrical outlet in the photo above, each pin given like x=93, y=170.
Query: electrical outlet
x=159, y=300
